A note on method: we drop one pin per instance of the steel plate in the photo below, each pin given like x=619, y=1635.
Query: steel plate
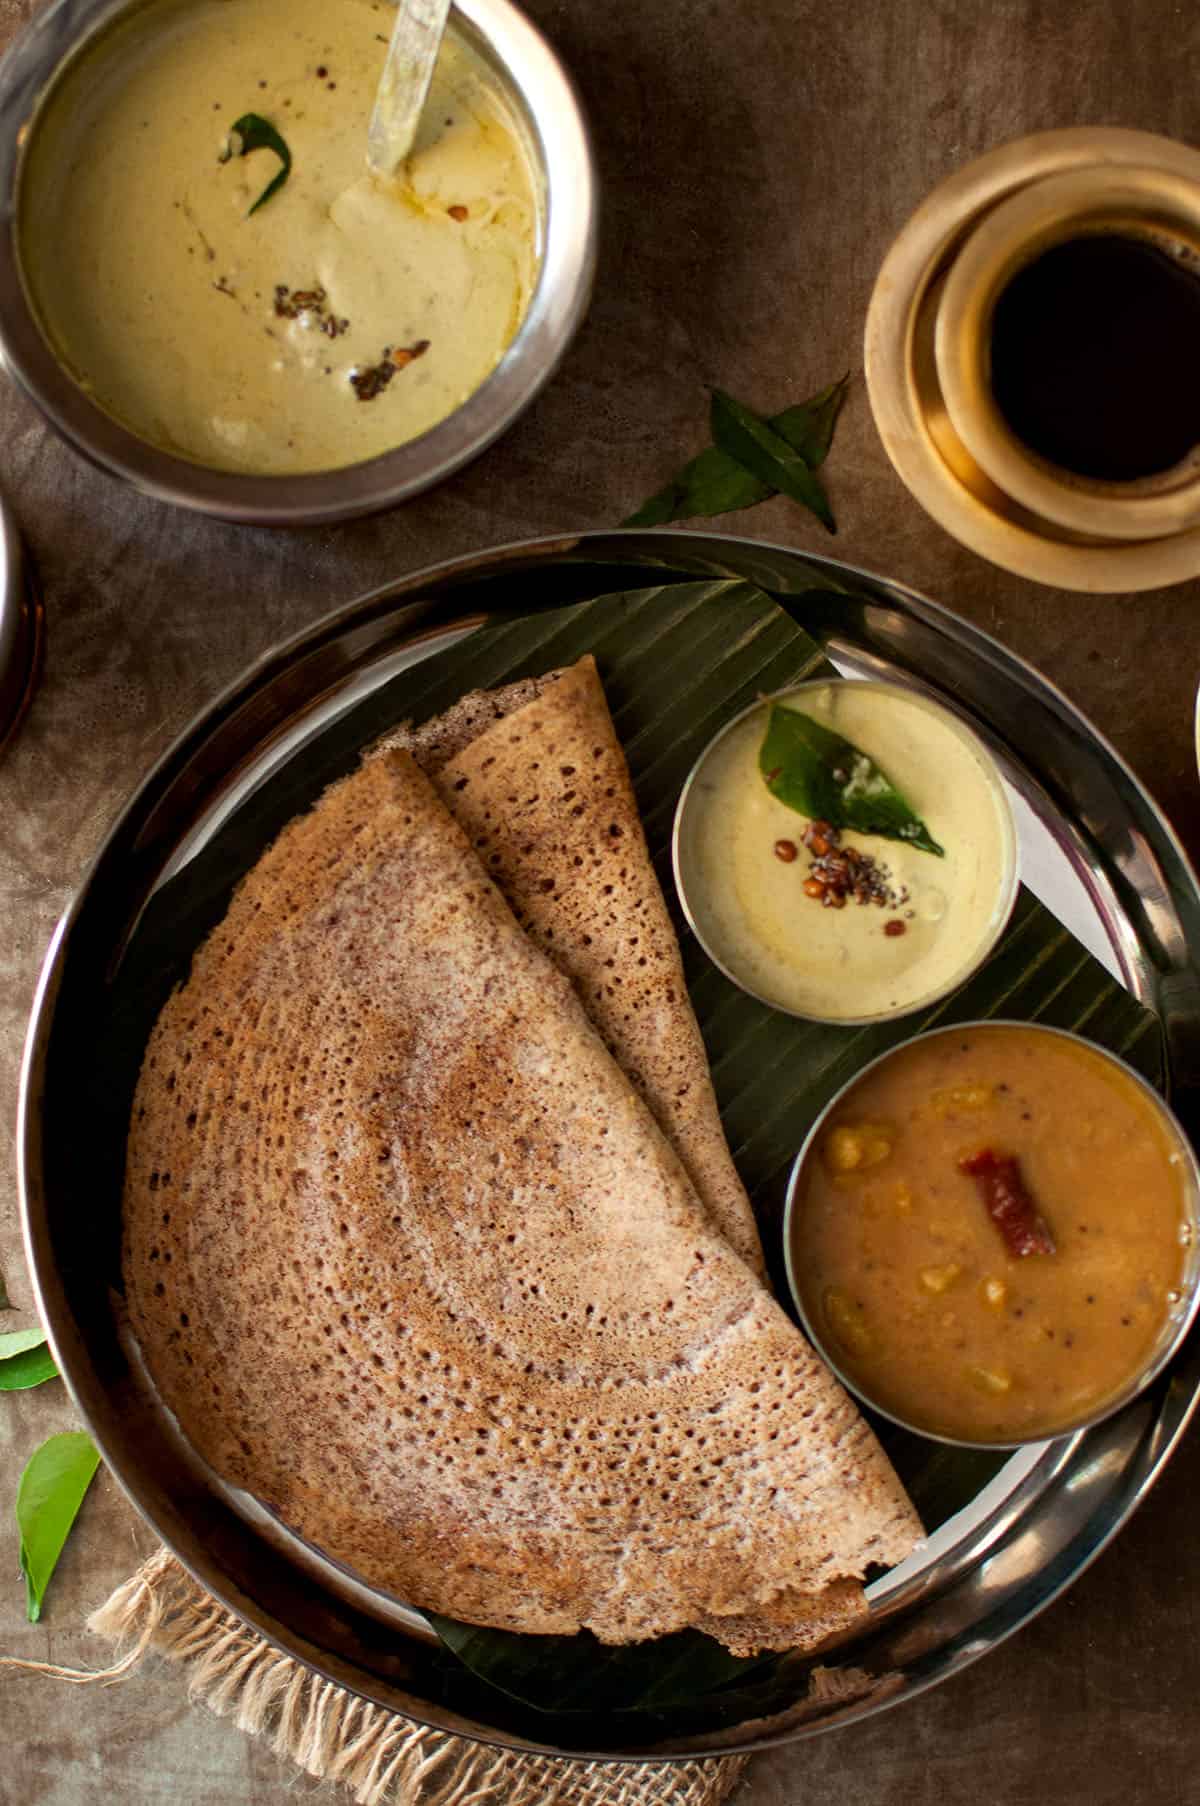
x=1082, y=815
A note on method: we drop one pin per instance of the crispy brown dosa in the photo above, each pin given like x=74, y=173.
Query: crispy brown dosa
x=413, y=1264
x=536, y=776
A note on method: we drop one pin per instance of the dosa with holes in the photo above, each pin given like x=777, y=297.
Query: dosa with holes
x=536, y=776
x=413, y=1263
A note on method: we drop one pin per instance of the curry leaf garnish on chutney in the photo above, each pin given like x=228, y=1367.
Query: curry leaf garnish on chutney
x=250, y=133
x=821, y=774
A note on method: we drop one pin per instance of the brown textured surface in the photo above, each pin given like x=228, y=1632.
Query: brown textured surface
x=756, y=161
x=545, y=796
x=436, y=1289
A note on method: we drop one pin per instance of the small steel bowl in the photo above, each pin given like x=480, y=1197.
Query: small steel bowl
x=1180, y=1317
x=547, y=109
x=689, y=890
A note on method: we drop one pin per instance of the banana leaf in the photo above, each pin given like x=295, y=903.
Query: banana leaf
x=677, y=661
x=597, y=1677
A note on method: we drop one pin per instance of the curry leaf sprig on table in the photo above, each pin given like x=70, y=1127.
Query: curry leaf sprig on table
x=51, y=1491
x=56, y=1476
x=760, y=450
x=250, y=133
x=824, y=776
x=753, y=459
x=25, y=1360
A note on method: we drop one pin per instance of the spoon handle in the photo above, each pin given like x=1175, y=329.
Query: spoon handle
x=404, y=83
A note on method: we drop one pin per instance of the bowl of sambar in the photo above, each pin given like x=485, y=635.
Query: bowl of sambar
x=992, y=1234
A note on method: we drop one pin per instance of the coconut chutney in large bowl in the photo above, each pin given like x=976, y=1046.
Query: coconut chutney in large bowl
x=206, y=290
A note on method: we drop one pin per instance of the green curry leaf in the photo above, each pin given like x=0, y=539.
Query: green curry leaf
x=767, y=455
x=826, y=777
x=48, y=1499
x=25, y=1360
x=712, y=483
x=16, y=1341
x=809, y=426
x=716, y=483
x=252, y=132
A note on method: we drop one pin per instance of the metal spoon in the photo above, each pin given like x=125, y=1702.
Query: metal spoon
x=404, y=83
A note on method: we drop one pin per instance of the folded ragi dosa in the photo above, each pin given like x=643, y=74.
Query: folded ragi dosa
x=535, y=774
x=413, y=1263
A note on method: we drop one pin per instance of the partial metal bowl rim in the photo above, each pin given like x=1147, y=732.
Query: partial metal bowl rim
x=1167, y=1345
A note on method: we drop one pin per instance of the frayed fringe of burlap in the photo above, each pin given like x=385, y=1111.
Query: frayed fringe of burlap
x=379, y=1757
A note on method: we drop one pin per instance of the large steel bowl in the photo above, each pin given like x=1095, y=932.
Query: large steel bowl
x=545, y=103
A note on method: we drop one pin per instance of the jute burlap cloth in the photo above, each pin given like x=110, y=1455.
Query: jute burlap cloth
x=378, y=1757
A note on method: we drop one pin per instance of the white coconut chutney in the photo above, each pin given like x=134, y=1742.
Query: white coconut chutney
x=860, y=960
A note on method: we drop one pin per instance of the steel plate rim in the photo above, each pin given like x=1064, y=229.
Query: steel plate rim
x=677, y=553
x=544, y=547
